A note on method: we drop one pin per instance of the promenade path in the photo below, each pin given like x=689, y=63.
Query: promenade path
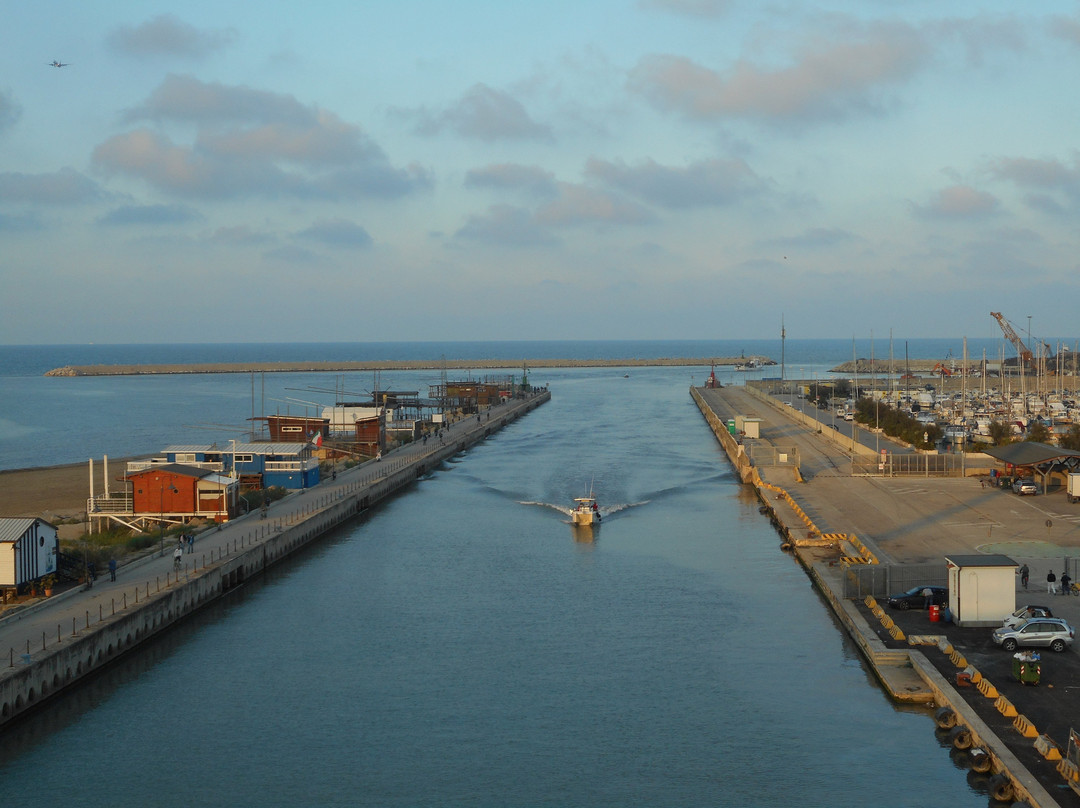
x=42, y=625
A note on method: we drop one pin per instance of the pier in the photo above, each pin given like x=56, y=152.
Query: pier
x=394, y=364
x=840, y=525
x=51, y=646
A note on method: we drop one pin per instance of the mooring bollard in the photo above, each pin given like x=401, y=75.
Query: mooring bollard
x=72, y=626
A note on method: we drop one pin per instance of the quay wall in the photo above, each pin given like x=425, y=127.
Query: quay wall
x=42, y=671
x=934, y=690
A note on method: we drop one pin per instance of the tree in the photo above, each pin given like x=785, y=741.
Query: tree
x=1000, y=432
x=1071, y=439
x=1038, y=432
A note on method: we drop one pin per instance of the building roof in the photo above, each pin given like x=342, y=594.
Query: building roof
x=1029, y=453
x=988, y=560
x=180, y=469
x=13, y=528
x=259, y=447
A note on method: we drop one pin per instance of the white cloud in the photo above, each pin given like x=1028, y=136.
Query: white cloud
x=170, y=36
x=704, y=183
x=482, y=113
x=64, y=187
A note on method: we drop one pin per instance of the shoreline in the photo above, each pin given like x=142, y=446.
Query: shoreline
x=404, y=364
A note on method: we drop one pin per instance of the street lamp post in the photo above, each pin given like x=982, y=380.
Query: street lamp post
x=161, y=505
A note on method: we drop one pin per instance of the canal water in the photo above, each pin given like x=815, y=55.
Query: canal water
x=464, y=645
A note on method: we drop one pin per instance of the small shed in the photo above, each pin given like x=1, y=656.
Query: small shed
x=28, y=549
x=982, y=588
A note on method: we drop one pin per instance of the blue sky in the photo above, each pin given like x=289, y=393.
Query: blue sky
x=659, y=169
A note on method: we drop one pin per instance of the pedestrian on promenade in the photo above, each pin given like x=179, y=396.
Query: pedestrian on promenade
x=1066, y=581
x=191, y=542
x=177, y=558
x=112, y=568
x=1051, y=583
x=1024, y=573
x=91, y=571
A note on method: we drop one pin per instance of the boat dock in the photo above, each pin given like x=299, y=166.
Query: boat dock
x=835, y=522
x=50, y=646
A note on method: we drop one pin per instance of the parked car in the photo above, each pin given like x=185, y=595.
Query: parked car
x=1026, y=613
x=1048, y=632
x=914, y=598
x=1025, y=485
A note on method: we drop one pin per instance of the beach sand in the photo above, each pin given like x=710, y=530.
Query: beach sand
x=54, y=493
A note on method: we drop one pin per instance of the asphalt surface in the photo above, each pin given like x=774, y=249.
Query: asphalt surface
x=919, y=520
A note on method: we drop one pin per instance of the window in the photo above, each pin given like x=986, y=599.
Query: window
x=243, y=458
x=187, y=457
x=292, y=429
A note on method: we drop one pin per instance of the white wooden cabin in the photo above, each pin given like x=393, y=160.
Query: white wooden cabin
x=28, y=548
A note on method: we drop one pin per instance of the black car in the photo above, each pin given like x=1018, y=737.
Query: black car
x=914, y=598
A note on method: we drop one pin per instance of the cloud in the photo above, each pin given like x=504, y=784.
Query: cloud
x=578, y=204
x=64, y=187
x=690, y=8
x=485, y=114
x=292, y=255
x=513, y=177
x=19, y=222
x=505, y=225
x=337, y=233
x=831, y=78
x=10, y=111
x=150, y=214
x=169, y=36
x=1067, y=28
x=958, y=202
x=704, y=183
x=1044, y=175
x=252, y=142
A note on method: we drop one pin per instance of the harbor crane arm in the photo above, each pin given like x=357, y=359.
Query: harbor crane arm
x=1022, y=350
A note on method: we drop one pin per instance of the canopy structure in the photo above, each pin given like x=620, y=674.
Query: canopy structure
x=1038, y=457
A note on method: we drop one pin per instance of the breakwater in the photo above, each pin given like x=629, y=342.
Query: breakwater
x=53, y=646
x=393, y=364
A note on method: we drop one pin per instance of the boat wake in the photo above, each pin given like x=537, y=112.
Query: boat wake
x=606, y=511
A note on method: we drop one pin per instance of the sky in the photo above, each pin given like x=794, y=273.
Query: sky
x=644, y=169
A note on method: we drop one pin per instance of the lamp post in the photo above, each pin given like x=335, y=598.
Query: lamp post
x=161, y=505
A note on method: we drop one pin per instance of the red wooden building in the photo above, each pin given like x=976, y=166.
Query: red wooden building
x=176, y=493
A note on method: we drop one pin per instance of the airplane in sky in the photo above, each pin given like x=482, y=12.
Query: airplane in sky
x=54, y=63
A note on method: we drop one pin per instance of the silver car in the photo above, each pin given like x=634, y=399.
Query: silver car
x=1048, y=632
x=1026, y=613
x=1025, y=485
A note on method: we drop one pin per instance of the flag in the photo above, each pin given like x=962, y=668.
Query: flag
x=316, y=440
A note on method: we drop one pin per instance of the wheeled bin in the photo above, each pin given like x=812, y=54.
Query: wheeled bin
x=1027, y=668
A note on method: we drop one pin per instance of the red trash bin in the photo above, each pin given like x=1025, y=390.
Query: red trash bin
x=935, y=613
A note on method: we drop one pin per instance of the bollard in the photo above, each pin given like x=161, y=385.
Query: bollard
x=57, y=633
x=125, y=602
x=72, y=626
x=99, y=617
x=113, y=601
x=158, y=580
x=12, y=657
x=43, y=641
x=88, y=619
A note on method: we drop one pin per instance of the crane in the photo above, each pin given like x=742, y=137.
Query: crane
x=1022, y=351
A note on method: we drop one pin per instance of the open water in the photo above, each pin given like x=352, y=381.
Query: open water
x=464, y=646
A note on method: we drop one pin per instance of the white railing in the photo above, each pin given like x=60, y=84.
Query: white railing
x=110, y=504
x=143, y=465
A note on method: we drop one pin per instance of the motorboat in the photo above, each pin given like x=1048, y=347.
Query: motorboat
x=585, y=511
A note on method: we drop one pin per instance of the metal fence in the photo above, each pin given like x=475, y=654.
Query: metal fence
x=918, y=465
x=769, y=455
x=883, y=580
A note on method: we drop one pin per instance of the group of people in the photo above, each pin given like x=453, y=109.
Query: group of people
x=185, y=543
x=1051, y=581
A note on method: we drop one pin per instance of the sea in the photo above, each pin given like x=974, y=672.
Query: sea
x=463, y=644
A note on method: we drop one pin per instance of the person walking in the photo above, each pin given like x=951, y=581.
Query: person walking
x=1024, y=572
x=1051, y=583
x=1066, y=583
x=177, y=558
x=190, y=543
x=927, y=593
x=112, y=568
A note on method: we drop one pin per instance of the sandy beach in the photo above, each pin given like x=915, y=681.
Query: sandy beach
x=52, y=492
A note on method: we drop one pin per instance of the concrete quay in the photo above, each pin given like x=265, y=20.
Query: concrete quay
x=51, y=646
x=833, y=521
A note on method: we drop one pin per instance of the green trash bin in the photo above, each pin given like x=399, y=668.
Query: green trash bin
x=1027, y=668
x=731, y=425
